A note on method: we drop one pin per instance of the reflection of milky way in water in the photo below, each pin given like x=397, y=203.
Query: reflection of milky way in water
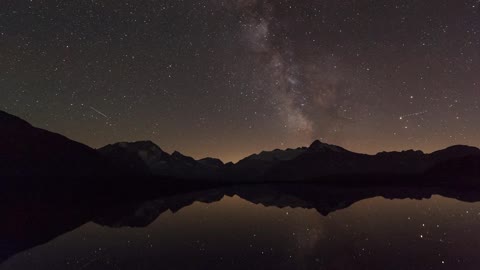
x=233, y=233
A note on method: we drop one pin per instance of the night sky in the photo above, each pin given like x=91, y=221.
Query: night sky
x=228, y=78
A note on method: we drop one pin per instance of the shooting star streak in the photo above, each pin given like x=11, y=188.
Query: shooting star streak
x=412, y=114
x=99, y=112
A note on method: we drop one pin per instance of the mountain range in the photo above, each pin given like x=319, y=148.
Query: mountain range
x=27, y=151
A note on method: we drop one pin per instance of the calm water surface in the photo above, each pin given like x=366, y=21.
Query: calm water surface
x=233, y=233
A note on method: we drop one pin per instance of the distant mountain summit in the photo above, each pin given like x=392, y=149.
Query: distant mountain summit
x=211, y=162
x=147, y=157
x=318, y=146
x=454, y=152
x=139, y=157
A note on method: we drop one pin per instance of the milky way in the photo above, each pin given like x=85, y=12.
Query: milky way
x=302, y=92
x=228, y=78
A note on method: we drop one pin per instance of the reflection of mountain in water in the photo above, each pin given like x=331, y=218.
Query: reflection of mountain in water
x=324, y=200
x=29, y=221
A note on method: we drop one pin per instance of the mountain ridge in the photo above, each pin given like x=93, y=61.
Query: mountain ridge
x=30, y=151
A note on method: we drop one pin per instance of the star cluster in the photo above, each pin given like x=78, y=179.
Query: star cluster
x=230, y=77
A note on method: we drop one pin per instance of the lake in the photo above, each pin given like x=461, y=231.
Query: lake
x=262, y=228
